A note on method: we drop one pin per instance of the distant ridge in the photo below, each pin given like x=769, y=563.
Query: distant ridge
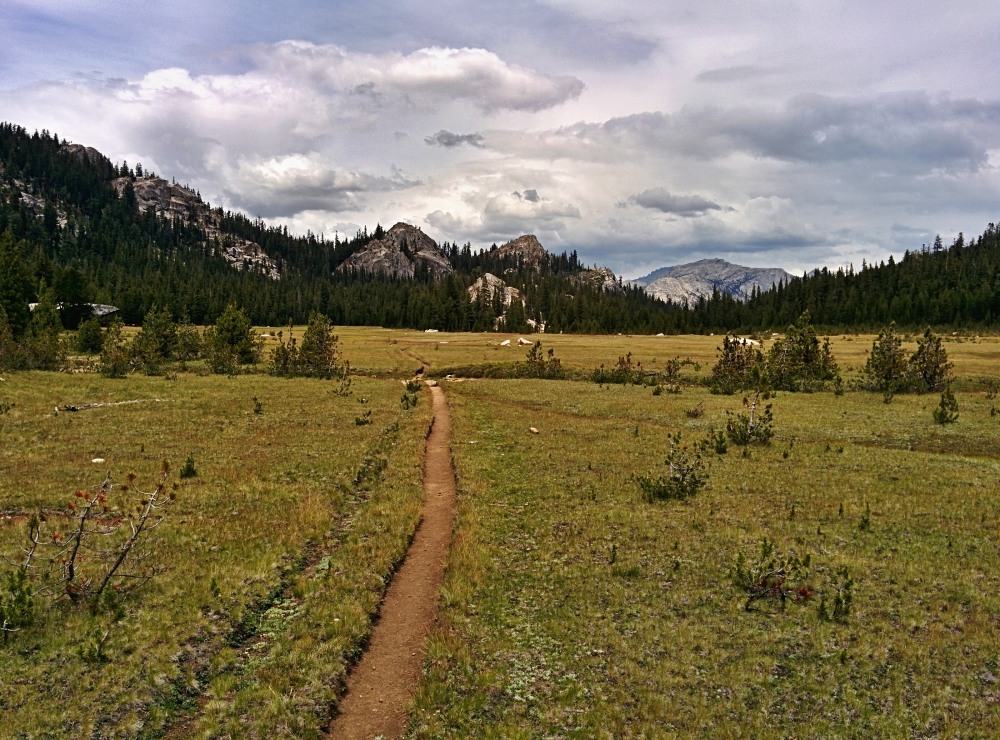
x=688, y=282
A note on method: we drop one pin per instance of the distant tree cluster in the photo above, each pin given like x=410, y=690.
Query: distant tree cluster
x=226, y=346
x=888, y=370
x=955, y=286
x=797, y=361
x=314, y=357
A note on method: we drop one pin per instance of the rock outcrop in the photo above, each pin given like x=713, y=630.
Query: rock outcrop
x=398, y=253
x=175, y=201
x=602, y=278
x=489, y=286
x=85, y=153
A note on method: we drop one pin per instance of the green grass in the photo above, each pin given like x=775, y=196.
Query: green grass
x=574, y=608
x=275, y=545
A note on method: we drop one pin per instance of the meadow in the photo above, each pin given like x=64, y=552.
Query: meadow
x=274, y=555
x=573, y=606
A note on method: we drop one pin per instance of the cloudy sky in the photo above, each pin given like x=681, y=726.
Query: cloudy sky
x=642, y=134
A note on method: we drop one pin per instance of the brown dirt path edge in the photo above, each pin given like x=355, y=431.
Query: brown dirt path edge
x=382, y=684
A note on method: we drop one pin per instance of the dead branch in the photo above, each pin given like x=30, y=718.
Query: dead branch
x=96, y=405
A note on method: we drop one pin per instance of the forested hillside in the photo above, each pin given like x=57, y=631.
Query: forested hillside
x=65, y=225
x=956, y=286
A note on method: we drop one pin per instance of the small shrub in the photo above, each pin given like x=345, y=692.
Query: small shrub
x=672, y=374
x=89, y=337
x=232, y=342
x=885, y=369
x=189, y=343
x=258, y=406
x=889, y=371
x=188, y=469
x=947, y=410
x=696, y=412
x=536, y=365
x=929, y=367
x=156, y=341
x=223, y=361
x=91, y=649
x=408, y=401
x=771, y=576
x=740, y=366
x=315, y=357
x=685, y=477
x=626, y=372
x=716, y=441
x=843, y=598
x=753, y=427
x=798, y=362
x=114, y=362
x=17, y=603
x=365, y=418
x=344, y=389
x=991, y=389
x=865, y=523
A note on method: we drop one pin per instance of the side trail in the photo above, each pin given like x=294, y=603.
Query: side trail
x=381, y=685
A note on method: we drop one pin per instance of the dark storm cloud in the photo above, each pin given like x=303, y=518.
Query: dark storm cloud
x=904, y=133
x=449, y=140
x=660, y=199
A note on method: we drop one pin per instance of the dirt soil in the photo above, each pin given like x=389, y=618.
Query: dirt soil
x=382, y=684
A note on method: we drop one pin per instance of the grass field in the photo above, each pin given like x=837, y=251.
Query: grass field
x=572, y=607
x=275, y=553
x=575, y=608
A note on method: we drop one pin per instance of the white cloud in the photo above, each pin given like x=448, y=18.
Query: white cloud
x=423, y=77
x=637, y=133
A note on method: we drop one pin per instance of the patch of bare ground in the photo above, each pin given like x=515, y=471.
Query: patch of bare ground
x=382, y=684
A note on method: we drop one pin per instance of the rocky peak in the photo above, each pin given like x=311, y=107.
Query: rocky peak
x=602, y=278
x=398, y=252
x=526, y=248
x=85, y=153
x=689, y=282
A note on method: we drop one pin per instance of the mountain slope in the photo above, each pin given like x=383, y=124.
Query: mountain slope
x=99, y=233
x=689, y=282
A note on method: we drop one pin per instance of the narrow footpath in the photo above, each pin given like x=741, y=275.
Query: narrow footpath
x=381, y=685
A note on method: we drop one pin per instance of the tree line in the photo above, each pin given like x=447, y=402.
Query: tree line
x=65, y=229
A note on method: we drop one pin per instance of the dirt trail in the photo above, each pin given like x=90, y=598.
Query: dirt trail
x=380, y=687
